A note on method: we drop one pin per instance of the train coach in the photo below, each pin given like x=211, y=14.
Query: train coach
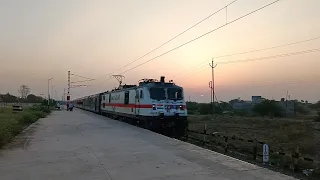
x=155, y=105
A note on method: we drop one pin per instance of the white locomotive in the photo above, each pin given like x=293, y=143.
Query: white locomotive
x=155, y=105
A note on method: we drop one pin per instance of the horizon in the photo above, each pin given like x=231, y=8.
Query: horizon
x=45, y=39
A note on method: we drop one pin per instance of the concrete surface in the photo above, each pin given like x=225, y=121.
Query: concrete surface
x=82, y=145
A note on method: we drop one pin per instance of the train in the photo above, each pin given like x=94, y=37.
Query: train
x=152, y=104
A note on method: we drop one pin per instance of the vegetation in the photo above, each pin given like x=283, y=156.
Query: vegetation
x=202, y=108
x=315, y=106
x=282, y=134
x=25, y=97
x=318, y=117
x=268, y=108
x=12, y=124
x=31, y=98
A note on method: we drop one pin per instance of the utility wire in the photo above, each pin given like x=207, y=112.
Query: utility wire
x=256, y=50
x=277, y=83
x=227, y=23
x=176, y=36
x=270, y=57
x=257, y=59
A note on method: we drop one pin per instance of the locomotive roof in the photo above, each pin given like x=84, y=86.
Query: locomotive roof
x=149, y=85
x=141, y=84
x=159, y=84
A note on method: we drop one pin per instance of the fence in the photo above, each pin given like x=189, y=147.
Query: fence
x=251, y=148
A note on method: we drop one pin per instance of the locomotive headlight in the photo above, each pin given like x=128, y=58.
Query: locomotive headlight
x=153, y=106
x=181, y=107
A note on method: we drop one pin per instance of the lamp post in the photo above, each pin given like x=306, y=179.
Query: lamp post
x=49, y=92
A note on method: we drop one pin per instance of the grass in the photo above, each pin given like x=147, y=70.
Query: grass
x=12, y=123
x=281, y=134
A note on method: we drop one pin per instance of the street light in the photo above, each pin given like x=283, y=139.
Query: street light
x=48, y=91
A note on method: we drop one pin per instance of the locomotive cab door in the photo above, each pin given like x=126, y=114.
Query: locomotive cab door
x=96, y=105
x=137, y=103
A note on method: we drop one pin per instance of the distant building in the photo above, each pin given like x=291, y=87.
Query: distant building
x=288, y=106
x=256, y=99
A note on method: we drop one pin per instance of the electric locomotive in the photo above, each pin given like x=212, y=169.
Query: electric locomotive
x=155, y=105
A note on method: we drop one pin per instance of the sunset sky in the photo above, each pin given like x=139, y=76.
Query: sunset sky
x=41, y=39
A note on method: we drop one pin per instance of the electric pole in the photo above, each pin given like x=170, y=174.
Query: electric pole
x=286, y=102
x=68, y=96
x=212, y=85
x=49, y=92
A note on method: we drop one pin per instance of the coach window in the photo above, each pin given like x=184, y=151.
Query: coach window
x=103, y=98
x=109, y=98
x=141, y=94
x=126, y=97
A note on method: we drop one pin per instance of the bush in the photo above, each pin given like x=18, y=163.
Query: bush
x=301, y=109
x=317, y=119
x=45, y=110
x=202, y=108
x=8, y=129
x=241, y=113
x=28, y=118
x=268, y=107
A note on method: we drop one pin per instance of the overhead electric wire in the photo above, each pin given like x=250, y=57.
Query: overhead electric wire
x=227, y=23
x=81, y=76
x=251, y=51
x=274, y=83
x=260, y=59
x=81, y=81
x=194, y=72
x=176, y=36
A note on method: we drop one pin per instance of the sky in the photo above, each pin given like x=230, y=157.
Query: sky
x=42, y=39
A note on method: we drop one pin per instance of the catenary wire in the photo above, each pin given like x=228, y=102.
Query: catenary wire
x=251, y=51
x=201, y=36
x=206, y=18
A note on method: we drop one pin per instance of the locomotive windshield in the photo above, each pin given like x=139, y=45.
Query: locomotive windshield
x=174, y=93
x=171, y=93
x=157, y=93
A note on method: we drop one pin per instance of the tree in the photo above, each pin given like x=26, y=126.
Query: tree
x=300, y=108
x=234, y=101
x=193, y=107
x=225, y=106
x=31, y=98
x=268, y=107
x=8, y=98
x=315, y=106
x=24, y=90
